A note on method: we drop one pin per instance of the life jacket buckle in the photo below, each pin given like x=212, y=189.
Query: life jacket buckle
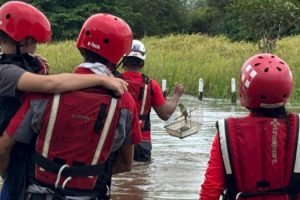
x=238, y=195
x=61, y=169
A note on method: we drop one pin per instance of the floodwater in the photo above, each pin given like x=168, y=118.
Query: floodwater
x=178, y=165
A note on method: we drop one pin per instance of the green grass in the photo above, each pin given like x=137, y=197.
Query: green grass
x=62, y=56
x=186, y=58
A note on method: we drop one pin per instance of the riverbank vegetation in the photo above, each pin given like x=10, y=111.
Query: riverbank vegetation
x=186, y=58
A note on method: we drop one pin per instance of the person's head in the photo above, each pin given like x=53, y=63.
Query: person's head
x=21, y=27
x=265, y=83
x=136, y=58
x=104, y=38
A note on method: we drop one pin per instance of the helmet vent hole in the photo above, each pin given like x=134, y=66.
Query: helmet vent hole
x=256, y=64
x=263, y=97
x=88, y=33
x=106, y=41
x=279, y=69
x=273, y=56
x=8, y=16
x=266, y=69
x=281, y=63
x=116, y=18
x=284, y=96
x=260, y=57
x=270, y=61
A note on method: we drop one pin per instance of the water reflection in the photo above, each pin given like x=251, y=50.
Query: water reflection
x=178, y=165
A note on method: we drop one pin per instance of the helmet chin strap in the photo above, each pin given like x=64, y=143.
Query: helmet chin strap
x=120, y=63
x=18, y=48
x=23, y=58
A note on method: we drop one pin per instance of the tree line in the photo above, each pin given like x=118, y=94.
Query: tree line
x=261, y=21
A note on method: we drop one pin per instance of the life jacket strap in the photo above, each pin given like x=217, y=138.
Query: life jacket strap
x=51, y=123
x=72, y=171
x=146, y=119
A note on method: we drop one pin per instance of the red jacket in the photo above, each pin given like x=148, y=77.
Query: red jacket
x=252, y=150
x=146, y=93
x=81, y=121
x=81, y=135
x=141, y=92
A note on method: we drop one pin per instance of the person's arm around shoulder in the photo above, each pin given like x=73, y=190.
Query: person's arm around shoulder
x=167, y=109
x=214, y=178
x=68, y=82
x=6, y=144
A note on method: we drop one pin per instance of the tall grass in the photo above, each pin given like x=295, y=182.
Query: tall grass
x=62, y=56
x=186, y=58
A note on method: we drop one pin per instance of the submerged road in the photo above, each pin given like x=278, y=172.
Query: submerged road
x=178, y=165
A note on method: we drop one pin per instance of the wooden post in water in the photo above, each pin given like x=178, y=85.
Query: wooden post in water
x=200, y=89
x=164, y=87
x=233, y=91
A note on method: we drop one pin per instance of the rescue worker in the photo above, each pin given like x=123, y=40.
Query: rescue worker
x=257, y=156
x=147, y=94
x=22, y=27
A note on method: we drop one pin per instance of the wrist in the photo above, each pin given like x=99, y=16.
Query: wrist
x=103, y=79
x=176, y=96
x=175, y=99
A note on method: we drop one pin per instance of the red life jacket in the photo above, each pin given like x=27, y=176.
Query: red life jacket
x=261, y=157
x=141, y=92
x=77, y=139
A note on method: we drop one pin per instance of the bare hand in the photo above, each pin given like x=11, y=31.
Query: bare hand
x=178, y=89
x=118, y=85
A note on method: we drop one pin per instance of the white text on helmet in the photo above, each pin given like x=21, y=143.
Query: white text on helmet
x=93, y=45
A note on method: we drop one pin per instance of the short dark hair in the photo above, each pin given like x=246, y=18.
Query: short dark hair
x=133, y=61
x=5, y=38
x=279, y=112
x=90, y=56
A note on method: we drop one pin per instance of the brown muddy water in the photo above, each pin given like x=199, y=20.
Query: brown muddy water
x=178, y=165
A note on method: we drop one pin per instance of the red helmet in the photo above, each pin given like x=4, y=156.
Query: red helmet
x=20, y=20
x=107, y=35
x=266, y=81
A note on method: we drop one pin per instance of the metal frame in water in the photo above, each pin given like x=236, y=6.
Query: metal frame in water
x=182, y=128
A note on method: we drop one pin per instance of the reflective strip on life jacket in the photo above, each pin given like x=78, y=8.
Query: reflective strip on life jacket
x=52, y=119
x=297, y=160
x=225, y=153
x=224, y=149
x=105, y=130
x=233, y=193
x=50, y=126
x=144, y=99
